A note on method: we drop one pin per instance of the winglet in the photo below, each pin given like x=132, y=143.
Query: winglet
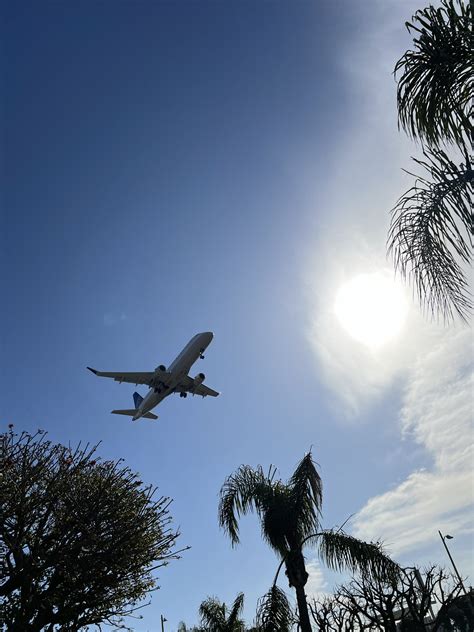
x=94, y=371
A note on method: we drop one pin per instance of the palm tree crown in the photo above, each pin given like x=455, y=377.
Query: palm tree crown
x=218, y=617
x=288, y=512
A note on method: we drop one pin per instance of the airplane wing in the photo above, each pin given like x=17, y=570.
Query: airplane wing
x=204, y=390
x=131, y=378
x=188, y=386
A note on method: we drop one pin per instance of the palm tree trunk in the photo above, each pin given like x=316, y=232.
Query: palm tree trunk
x=303, y=609
x=297, y=578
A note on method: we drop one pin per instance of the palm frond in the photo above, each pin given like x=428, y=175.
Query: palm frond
x=233, y=621
x=431, y=234
x=278, y=520
x=274, y=613
x=344, y=552
x=307, y=494
x=213, y=614
x=288, y=512
x=242, y=492
x=435, y=89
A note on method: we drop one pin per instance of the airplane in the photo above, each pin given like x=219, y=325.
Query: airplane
x=164, y=381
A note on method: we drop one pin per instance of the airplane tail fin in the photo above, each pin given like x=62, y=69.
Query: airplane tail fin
x=137, y=399
x=131, y=412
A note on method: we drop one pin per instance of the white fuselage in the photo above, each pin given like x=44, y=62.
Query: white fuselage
x=175, y=372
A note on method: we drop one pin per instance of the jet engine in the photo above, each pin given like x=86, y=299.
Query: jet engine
x=199, y=379
x=160, y=368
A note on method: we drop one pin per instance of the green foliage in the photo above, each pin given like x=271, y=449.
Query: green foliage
x=288, y=512
x=274, y=613
x=80, y=537
x=217, y=617
x=435, y=89
x=245, y=491
x=431, y=231
x=344, y=552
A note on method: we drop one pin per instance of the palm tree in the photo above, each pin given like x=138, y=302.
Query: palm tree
x=434, y=93
x=430, y=236
x=274, y=613
x=217, y=617
x=289, y=515
x=432, y=223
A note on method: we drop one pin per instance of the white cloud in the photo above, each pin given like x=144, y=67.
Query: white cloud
x=359, y=375
x=437, y=412
x=432, y=361
x=365, y=182
x=317, y=586
x=366, y=179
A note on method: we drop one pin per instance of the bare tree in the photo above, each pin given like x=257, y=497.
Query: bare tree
x=408, y=604
x=80, y=537
x=330, y=616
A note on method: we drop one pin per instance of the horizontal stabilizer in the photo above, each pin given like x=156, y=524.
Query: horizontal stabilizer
x=150, y=416
x=131, y=412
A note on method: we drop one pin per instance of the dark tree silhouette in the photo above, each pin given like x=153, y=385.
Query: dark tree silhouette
x=431, y=233
x=218, y=617
x=289, y=515
x=434, y=94
x=79, y=537
x=415, y=602
x=182, y=627
x=458, y=614
x=274, y=613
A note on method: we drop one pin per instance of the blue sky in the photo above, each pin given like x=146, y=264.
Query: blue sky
x=180, y=167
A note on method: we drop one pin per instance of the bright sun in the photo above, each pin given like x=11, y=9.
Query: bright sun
x=372, y=308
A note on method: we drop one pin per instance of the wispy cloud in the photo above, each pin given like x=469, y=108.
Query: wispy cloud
x=434, y=363
x=356, y=200
x=364, y=184
x=358, y=375
x=437, y=413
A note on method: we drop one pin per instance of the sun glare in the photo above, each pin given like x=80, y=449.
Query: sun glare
x=372, y=308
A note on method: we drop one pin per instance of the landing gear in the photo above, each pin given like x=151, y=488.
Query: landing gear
x=201, y=354
x=183, y=394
